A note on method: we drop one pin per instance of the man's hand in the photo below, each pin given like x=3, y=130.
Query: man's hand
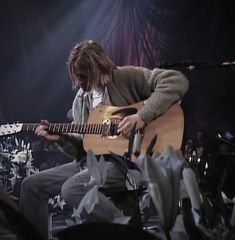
x=128, y=122
x=41, y=131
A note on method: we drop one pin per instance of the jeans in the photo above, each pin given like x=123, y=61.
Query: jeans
x=67, y=180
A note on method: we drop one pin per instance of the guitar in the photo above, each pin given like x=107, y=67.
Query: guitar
x=100, y=131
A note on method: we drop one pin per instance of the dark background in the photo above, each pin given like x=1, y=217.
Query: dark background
x=37, y=35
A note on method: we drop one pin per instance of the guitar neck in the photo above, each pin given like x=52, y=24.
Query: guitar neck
x=67, y=128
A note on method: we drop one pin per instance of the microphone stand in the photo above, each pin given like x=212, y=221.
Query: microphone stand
x=195, y=65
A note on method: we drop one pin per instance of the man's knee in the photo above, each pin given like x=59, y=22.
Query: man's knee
x=32, y=183
x=73, y=193
x=65, y=191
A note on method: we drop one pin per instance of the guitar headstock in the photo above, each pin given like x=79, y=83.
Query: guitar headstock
x=8, y=129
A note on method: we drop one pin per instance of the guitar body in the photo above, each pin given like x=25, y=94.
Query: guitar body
x=168, y=127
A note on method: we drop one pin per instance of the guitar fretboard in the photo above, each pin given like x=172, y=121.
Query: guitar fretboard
x=67, y=128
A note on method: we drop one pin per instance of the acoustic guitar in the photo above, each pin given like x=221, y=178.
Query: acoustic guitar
x=100, y=132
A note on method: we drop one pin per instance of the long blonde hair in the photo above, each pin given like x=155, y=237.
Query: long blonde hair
x=85, y=59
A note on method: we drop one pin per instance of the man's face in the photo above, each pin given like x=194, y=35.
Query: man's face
x=81, y=81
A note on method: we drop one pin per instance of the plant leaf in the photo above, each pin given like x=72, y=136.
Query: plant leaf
x=163, y=175
x=98, y=170
x=192, y=187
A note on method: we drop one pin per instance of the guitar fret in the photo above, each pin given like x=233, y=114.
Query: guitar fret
x=59, y=127
x=30, y=126
x=96, y=128
x=72, y=127
x=62, y=128
x=90, y=128
x=100, y=128
x=76, y=128
x=34, y=126
x=82, y=128
x=85, y=128
x=54, y=127
x=66, y=128
x=93, y=128
x=69, y=128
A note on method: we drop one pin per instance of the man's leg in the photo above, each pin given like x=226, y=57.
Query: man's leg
x=38, y=188
x=76, y=187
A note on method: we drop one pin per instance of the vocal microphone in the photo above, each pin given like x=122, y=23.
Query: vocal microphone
x=190, y=65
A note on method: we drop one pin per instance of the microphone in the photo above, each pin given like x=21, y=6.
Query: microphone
x=190, y=65
x=193, y=65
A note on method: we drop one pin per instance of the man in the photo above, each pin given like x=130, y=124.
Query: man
x=99, y=81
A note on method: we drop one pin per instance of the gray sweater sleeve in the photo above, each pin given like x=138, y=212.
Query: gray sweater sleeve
x=165, y=87
x=71, y=145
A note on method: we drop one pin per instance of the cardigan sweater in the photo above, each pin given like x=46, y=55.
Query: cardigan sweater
x=129, y=85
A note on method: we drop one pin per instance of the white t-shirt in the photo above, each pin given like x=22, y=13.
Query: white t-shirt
x=98, y=96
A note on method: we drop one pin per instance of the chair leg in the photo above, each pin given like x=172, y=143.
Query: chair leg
x=50, y=225
x=128, y=202
x=133, y=208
